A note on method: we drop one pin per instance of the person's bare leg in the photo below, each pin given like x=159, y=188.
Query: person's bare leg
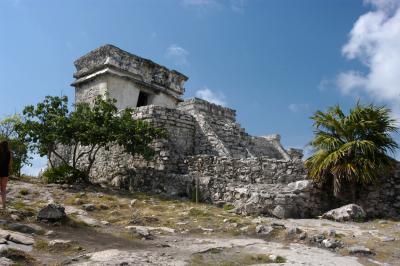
x=3, y=187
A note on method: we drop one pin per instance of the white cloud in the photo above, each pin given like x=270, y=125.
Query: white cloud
x=238, y=6
x=298, y=107
x=38, y=165
x=177, y=54
x=375, y=41
x=211, y=96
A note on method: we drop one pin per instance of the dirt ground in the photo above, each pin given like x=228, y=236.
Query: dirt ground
x=109, y=227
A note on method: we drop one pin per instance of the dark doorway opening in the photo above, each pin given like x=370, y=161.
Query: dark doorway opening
x=143, y=99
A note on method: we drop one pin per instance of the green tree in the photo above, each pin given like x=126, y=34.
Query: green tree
x=87, y=129
x=19, y=147
x=43, y=127
x=351, y=149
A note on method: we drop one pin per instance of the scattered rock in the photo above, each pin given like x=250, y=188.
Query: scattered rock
x=15, y=217
x=89, y=221
x=303, y=236
x=264, y=230
x=6, y=262
x=89, y=207
x=388, y=239
x=294, y=231
x=359, y=250
x=280, y=212
x=60, y=243
x=244, y=228
x=278, y=225
x=133, y=202
x=16, y=237
x=350, y=212
x=140, y=230
x=103, y=207
x=49, y=233
x=273, y=257
x=331, y=243
x=78, y=201
x=208, y=230
x=51, y=213
x=104, y=222
x=74, y=210
x=318, y=238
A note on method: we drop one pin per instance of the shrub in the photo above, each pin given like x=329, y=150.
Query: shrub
x=64, y=174
x=24, y=191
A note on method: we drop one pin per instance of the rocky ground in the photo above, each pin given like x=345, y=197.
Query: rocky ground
x=106, y=227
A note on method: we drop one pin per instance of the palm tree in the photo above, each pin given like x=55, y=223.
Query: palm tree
x=351, y=149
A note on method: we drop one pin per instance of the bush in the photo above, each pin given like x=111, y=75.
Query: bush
x=64, y=174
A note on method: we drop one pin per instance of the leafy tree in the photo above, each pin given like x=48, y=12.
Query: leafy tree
x=49, y=127
x=351, y=149
x=19, y=147
x=43, y=127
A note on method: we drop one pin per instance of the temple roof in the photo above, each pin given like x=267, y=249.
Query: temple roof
x=145, y=70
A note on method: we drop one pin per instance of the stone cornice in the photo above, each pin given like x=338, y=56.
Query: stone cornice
x=145, y=70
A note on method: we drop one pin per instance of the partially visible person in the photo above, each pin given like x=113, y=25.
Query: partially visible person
x=5, y=167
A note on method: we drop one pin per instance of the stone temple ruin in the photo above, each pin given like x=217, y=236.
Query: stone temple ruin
x=205, y=144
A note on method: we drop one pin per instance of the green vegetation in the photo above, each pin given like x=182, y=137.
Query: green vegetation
x=18, y=145
x=63, y=174
x=351, y=150
x=221, y=257
x=49, y=126
x=24, y=191
x=228, y=207
x=19, y=257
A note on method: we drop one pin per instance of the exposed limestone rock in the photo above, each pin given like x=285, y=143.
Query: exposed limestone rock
x=359, y=250
x=264, y=230
x=350, y=212
x=51, y=213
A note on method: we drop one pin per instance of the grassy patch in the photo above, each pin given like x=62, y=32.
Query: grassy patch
x=18, y=256
x=42, y=245
x=198, y=213
x=24, y=192
x=217, y=257
x=228, y=207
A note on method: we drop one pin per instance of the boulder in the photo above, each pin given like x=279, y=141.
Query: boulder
x=264, y=230
x=60, y=243
x=16, y=237
x=89, y=207
x=51, y=213
x=6, y=262
x=280, y=212
x=300, y=186
x=350, y=212
x=359, y=250
x=331, y=243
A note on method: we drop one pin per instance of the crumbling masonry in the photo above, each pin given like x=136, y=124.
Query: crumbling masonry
x=205, y=144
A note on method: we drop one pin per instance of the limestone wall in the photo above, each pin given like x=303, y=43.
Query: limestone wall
x=135, y=173
x=218, y=133
x=260, y=170
x=382, y=199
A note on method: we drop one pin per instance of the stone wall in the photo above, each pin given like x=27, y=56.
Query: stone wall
x=259, y=170
x=133, y=172
x=382, y=199
x=257, y=185
x=218, y=133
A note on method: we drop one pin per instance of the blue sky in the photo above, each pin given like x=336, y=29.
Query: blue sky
x=275, y=62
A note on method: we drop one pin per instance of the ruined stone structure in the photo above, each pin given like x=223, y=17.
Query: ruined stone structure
x=205, y=145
